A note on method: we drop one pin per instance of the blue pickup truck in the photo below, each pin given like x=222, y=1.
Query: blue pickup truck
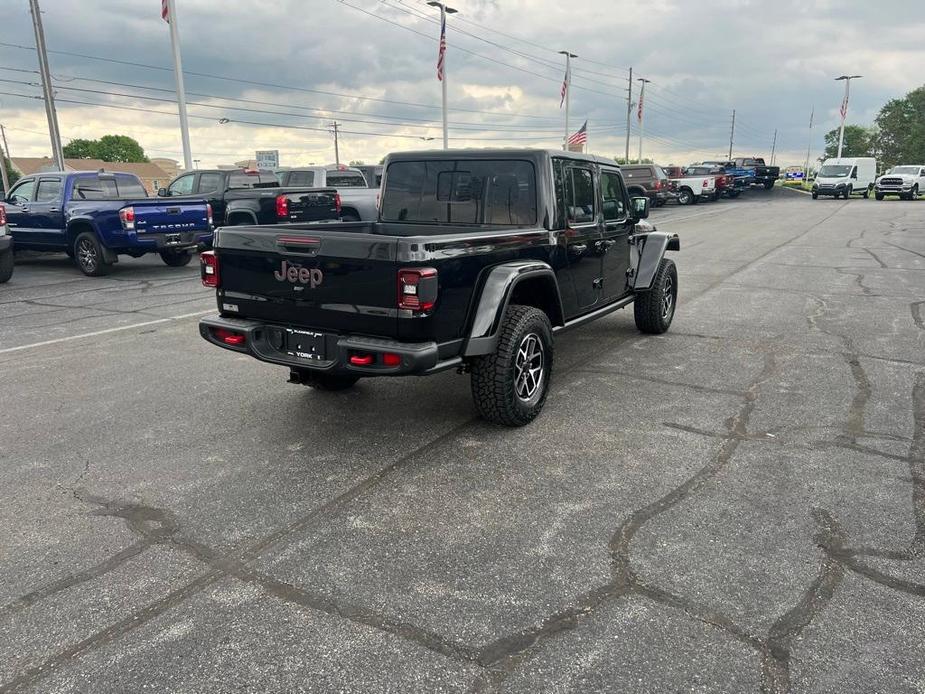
x=96, y=216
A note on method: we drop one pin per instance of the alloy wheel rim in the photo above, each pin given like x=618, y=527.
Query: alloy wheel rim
x=528, y=367
x=668, y=297
x=86, y=253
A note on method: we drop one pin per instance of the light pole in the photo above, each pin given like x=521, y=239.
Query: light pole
x=567, y=87
x=844, y=108
x=642, y=94
x=45, y=71
x=441, y=62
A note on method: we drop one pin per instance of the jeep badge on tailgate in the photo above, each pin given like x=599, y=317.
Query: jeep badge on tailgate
x=302, y=275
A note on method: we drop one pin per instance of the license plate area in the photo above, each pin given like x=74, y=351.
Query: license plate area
x=172, y=239
x=304, y=344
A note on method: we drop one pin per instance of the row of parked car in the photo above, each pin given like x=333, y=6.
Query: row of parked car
x=708, y=180
x=95, y=217
x=858, y=176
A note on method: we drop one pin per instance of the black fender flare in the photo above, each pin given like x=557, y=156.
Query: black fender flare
x=240, y=211
x=497, y=289
x=650, y=249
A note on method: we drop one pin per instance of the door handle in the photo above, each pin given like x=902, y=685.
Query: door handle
x=577, y=248
x=603, y=245
x=54, y=209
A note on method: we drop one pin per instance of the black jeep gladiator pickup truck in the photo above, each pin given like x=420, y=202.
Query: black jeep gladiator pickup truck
x=478, y=259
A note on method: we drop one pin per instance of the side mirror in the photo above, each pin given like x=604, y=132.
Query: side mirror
x=162, y=193
x=641, y=207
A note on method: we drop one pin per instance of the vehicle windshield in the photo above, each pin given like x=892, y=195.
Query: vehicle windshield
x=912, y=170
x=835, y=171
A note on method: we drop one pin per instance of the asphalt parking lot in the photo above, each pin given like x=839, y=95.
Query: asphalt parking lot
x=735, y=506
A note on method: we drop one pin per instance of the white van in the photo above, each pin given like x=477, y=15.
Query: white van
x=846, y=176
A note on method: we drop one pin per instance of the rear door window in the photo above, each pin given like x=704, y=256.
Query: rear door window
x=581, y=207
x=95, y=188
x=209, y=182
x=49, y=190
x=465, y=191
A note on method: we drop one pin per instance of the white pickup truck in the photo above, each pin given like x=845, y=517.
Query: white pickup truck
x=690, y=189
x=905, y=181
x=359, y=203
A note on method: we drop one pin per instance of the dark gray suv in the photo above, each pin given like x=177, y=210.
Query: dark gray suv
x=648, y=180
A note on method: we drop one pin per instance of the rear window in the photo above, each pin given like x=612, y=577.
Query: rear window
x=130, y=187
x=636, y=171
x=241, y=179
x=494, y=192
x=301, y=178
x=338, y=179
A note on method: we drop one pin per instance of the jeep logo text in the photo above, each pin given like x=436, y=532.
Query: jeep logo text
x=302, y=275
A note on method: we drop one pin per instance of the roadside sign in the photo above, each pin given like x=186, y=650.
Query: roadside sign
x=267, y=159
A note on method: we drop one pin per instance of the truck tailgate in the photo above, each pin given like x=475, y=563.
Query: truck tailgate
x=161, y=215
x=306, y=205
x=319, y=279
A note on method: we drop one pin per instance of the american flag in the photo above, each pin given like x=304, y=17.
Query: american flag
x=844, y=107
x=564, y=90
x=441, y=53
x=165, y=11
x=639, y=110
x=581, y=137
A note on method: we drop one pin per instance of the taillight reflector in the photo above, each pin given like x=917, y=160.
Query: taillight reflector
x=390, y=359
x=282, y=207
x=209, y=213
x=2, y=214
x=417, y=288
x=362, y=359
x=208, y=266
x=127, y=217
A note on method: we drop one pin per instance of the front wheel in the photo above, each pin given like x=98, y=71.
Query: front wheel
x=848, y=191
x=175, y=258
x=768, y=185
x=6, y=266
x=915, y=192
x=654, y=309
x=815, y=195
x=510, y=385
x=89, y=255
x=879, y=196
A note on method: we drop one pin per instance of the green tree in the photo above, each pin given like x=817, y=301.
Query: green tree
x=901, y=129
x=623, y=161
x=858, y=142
x=10, y=172
x=80, y=149
x=357, y=162
x=118, y=148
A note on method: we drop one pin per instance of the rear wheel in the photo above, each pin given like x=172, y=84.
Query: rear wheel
x=175, y=258
x=768, y=185
x=914, y=195
x=89, y=255
x=6, y=266
x=510, y=386
x=654, y=309
x=685, y=196
x=879, y=196
x=349, y=217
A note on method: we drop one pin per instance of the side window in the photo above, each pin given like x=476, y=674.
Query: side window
x=210, y=182
x=581, y=205
x=49, y=190
x=854, y=172
x=22, y=193
x=182, y=186
x=612, y=195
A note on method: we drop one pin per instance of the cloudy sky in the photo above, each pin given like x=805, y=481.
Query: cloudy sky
x=281, y=71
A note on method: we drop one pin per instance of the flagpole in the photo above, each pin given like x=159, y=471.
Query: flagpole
x=642, y=93
x=844, y=109
x=809, y=145
x=567, y=85
x=181, y=90
x=441, y=59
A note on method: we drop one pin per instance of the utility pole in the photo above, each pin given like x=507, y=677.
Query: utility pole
x=181, y=90
x=629, y=111
x=336, y=148
x=844, y=108
x=3, y=158
x=567, y=86
x=642, y=94
x=773, y=146
x=809, y=144
x=441, y=63
x=732, y=132
x=54, y=133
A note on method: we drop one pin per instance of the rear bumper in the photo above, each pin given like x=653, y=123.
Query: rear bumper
x=262, y=341
x=6, y=243
x=157, y=241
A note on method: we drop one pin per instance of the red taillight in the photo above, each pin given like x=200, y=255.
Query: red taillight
x=208, y=266
x=228, y=337
x=127, y=217
x=658, y=185
x=706, y=182
x=2, y=214
x=390, y=359
x=209, y=213
x=337, y=203
x=282, y=207
x=417, y=288
x=362, y=359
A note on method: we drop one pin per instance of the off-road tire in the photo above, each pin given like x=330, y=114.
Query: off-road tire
x=494, y=376
x=652, y=312
x=175, y=258
x=879, y=196
x=329, y=382
x=88, y=254
x=6, y=266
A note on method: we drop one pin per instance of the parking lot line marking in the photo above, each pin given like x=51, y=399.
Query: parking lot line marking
x=105, y=332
